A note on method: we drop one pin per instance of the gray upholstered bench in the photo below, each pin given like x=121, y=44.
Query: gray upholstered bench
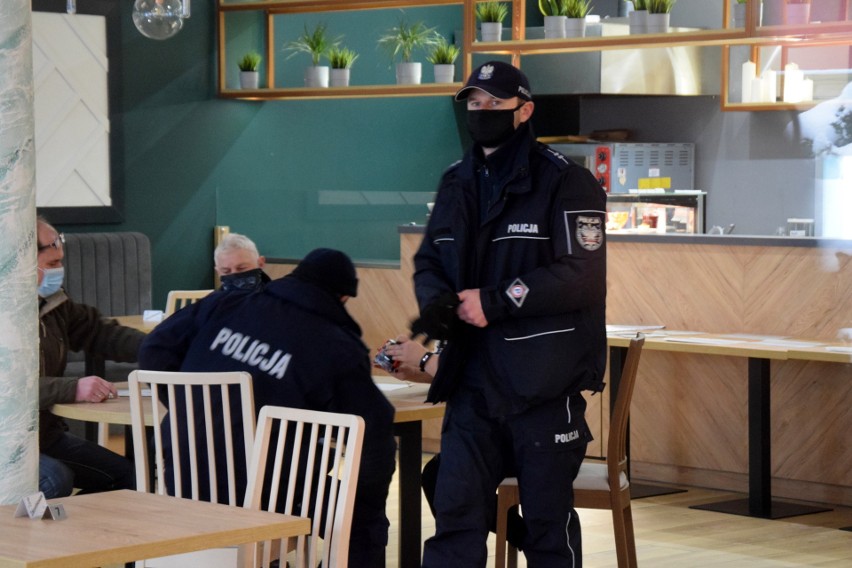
x=111, y=271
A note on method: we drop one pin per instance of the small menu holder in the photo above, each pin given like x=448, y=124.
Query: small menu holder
x=35, y=506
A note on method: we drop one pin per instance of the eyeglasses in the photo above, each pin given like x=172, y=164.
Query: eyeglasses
x=57, y=243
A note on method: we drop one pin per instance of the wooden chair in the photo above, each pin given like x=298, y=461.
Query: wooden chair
x=178, y=299
x=317, y=455
x=193, y=394
x=598, y=485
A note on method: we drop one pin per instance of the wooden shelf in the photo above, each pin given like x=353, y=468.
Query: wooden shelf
x=351, y=92
x=752, y=34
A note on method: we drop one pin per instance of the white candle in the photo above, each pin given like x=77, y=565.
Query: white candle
x=757, y=90
x=792, y=83
x=748, y=74
x=771, y=85
x=807, y=90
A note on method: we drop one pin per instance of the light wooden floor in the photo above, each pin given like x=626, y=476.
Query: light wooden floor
x=671, y=535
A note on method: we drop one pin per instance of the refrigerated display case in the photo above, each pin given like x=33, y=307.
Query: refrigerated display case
x=670, y=212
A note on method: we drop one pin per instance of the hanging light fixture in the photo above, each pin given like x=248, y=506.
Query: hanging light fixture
x=160, y=19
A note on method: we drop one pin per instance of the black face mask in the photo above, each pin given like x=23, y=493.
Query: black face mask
x=491, y=128
x=248, y=280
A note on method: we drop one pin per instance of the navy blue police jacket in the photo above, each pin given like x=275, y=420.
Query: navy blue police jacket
x=538, y=256
x=300, y=346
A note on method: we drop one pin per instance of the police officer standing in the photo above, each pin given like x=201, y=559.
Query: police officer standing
x=516, y=240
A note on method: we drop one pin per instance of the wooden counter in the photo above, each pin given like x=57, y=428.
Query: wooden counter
x=689, y=418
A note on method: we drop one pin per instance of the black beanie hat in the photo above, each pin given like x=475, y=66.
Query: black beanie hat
x=330, y=270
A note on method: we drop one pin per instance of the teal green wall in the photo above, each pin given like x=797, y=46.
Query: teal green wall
x=193, y=161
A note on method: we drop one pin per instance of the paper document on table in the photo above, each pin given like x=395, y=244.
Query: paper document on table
x=126, y=392
x=703, y=340
x=790, y=344
x=387, y=387
x=623, y=328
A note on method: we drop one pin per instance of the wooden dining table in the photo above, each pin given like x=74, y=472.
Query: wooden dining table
x=124, y=526
x=760, y=352
x=411, y=410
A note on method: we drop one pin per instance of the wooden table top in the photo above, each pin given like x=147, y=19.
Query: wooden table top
x=123, y=526
x=407, y=399
x=136, y=322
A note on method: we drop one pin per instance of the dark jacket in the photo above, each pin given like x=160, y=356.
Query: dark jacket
x=303, y=350
x=67, y=326
x=539, y=257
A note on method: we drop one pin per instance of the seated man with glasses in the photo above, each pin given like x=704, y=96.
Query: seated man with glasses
x=66, y=461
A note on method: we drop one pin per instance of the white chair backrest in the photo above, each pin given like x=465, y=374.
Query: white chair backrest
x=313, y=459
x=178, y=299
x=191, y=394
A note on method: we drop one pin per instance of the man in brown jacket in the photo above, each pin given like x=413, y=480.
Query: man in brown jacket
x=66, y=461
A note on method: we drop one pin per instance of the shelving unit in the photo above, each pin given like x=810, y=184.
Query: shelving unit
x=752, y=35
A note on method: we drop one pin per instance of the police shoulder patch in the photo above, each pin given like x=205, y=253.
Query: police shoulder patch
x=589, y=232
x=517, y=292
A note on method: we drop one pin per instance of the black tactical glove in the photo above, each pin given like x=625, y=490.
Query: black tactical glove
x=438, y=320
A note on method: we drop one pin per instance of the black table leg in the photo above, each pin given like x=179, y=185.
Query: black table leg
x=617, y=357
x=410, y=460
x=759, y=502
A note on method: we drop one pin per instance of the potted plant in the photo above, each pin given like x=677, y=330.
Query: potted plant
x=443, y=56
x=554, y=17
x=249, y=75
x=638, y=17
x=575, y=12
x=317, y=44
x=341, y=60
x=739, y=13
x=491, y=16
x=401, y=41
x=659, y=13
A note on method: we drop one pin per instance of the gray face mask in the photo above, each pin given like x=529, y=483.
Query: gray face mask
x=51, y=282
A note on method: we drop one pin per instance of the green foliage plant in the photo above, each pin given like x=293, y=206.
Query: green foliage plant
x=552, y=7
x=402, y=39
x=315, y=43
x=577, y=8
x=492, y=11
x=660, y=6
x=341, y=57
x=640, y=4
x=443, y=52
x=250, y=61
x=741, y=1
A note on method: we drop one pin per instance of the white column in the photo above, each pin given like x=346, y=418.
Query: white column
x=19, y=356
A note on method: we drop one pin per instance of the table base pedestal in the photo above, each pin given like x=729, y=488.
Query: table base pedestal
x=642, y=490
x=777, y=509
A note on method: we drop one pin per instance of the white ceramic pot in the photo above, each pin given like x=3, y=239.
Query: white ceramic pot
x=409, y=73
x=554, y=26
x=339, y=77
x=491, y=31
x=316, y=76
x=575, y=27
x=798, y=14
x=658, y=23
x=638, y=20
x=249, y=79
x=445, y=72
